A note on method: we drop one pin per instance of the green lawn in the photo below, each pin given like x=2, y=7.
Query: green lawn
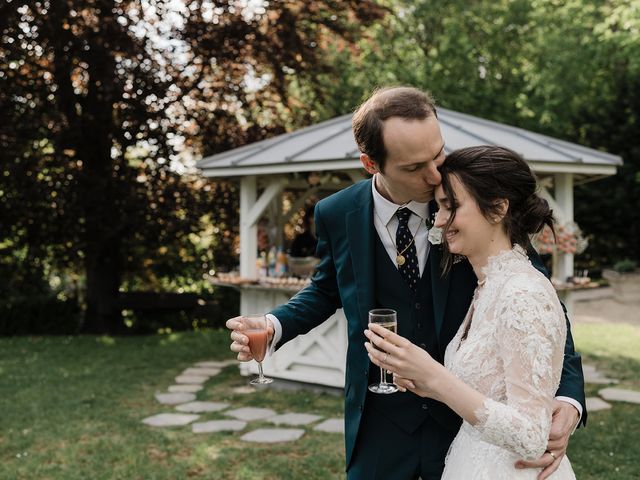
x=609, y=448
x=71, y=409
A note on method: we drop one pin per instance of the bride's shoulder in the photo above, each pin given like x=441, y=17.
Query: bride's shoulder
x=529, y=291
x=526, y=279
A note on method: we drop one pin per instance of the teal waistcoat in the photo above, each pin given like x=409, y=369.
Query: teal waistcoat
x=416, y=323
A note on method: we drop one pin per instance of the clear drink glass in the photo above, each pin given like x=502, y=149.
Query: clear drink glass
x=255, y=328
x=388, y=319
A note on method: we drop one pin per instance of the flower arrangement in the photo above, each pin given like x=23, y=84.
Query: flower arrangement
x=569, y=239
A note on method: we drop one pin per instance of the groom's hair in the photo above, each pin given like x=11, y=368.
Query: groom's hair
x=385, y=103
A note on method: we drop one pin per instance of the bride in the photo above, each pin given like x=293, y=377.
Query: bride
x=503, y=366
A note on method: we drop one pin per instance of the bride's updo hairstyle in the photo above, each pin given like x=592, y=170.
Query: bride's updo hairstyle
x=492, y=174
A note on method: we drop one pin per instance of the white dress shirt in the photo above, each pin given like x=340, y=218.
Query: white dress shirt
x=386, y=223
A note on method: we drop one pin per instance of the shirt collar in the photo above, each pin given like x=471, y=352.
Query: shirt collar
x=386, y=209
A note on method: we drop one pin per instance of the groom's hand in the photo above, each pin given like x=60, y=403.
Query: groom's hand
x=564, y=420
x=240, y=343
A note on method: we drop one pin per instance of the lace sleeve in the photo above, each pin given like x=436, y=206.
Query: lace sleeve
x=531, y=335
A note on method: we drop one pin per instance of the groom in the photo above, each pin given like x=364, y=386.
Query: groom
x=374, y=252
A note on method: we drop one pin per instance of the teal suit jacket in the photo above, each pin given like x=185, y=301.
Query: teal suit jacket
x=345, y=278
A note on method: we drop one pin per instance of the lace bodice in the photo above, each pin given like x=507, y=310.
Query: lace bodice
x=512, y=353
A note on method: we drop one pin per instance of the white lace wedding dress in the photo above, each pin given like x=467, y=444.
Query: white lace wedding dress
x=513, y=354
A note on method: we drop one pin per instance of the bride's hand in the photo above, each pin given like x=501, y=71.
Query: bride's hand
x=403, y=384
x=405, y=360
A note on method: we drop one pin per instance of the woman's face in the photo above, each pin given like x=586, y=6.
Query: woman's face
x=470, y=234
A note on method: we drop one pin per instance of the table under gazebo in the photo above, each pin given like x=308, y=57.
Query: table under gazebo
x=316, y=161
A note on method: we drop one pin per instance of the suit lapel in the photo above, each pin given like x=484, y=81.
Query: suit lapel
x=360, y=233
x=439, y=286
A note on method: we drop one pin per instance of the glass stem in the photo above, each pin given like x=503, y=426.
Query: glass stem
x=260, y=374
x=383, y=376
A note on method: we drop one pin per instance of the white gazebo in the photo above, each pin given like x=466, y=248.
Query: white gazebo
x=328, y=153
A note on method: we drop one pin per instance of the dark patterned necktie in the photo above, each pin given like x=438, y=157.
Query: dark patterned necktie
x=407, y=258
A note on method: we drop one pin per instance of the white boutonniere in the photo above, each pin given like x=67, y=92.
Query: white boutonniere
x=435, y=236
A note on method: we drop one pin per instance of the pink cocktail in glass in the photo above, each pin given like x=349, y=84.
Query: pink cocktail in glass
x=255, y=328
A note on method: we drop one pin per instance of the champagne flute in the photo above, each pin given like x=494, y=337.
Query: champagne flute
x=255, y=328
x=388, y=319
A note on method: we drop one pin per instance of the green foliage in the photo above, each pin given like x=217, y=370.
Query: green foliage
x=625, y=266
x=567, y=69
x=98, y=118
x=39, y=315
x=74, y=407
x=30, y=305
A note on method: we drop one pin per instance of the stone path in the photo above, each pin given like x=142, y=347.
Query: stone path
x=182, y=396
x=591, y=375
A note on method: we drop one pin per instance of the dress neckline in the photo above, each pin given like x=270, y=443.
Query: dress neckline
x=496, y=263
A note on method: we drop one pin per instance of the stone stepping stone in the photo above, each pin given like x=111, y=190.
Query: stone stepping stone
x=244, y=389
x=620, y=395
x=175, y=398
x=185, y=388
x=294, y=419
x=191, y=379
x=331, y=425
x=200, y=407
x=250, y=413
x=218, y=426
x=273, y=435
x=217, y=363
x=204, y=372
x=597, y=378
x=170, y=419
x=594, y=404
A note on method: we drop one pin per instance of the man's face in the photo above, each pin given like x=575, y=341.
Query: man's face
x=415, y=150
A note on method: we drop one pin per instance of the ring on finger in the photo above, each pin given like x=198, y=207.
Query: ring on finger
x=386, y=356
x=553, y=455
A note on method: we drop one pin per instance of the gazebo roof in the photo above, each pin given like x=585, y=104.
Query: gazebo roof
x=330, y=145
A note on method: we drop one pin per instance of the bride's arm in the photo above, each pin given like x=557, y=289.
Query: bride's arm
x=531, y=338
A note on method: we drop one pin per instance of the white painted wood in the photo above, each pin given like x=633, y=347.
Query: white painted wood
x=563, y=262
x=248, y=229
x=279, y=221
x=340, y=165
x=563, y=210
x=273, y=189
x=286, y=168
x=579, y=169
x=557, y=211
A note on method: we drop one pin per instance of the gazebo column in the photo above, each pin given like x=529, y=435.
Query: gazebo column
x=563, y=262
x=562, y=204
x=251, y=209
x=248, y=227
x=279, y=222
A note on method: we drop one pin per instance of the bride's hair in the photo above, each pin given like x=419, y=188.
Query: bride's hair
x=491, y=175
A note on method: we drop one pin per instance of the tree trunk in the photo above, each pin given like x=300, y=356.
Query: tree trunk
x=103, y=274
